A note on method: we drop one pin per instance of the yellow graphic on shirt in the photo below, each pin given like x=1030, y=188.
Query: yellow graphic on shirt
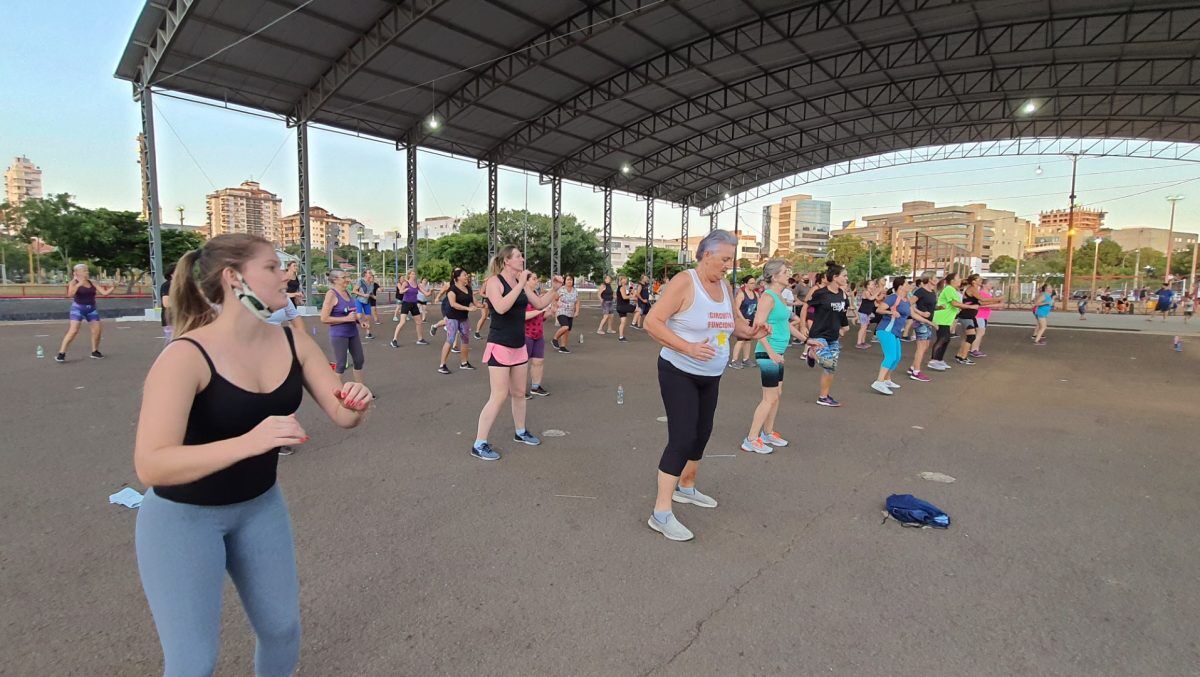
x=722, y=338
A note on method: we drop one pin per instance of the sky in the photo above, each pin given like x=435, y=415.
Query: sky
x=65, y=111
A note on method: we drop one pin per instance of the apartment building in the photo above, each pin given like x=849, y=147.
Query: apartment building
x=244, y=209
x=325, y=229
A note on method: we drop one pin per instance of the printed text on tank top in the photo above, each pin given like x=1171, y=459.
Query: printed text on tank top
x=703, y=320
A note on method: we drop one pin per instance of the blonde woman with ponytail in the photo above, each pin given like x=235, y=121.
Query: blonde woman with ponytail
x=509, y=290
x=217, y=405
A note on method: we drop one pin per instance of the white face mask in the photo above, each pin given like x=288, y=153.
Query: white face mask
x=251, y=301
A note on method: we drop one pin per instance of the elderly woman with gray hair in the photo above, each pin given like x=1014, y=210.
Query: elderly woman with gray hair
x=694, y=321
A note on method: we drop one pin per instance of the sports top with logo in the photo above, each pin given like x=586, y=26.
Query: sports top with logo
x=705, y=321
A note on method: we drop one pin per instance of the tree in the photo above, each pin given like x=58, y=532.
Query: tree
x=436, y=270
x=1003, y=264
x=844, y=248
x=176, y=243
x=1110, y=256
x=463, y=250
x=580, y=248
x=635, y=265
x=872, y=262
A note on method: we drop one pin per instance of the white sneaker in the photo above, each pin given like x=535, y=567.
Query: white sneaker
x=937, y=366
x=774, y=439
x=881, y=387
x=672, y=529
x=695, y=498
x=892, y=385
x=756, y=445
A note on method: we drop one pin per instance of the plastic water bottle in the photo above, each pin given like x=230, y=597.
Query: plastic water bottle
x=620, y=395
x=580, y=338
x=41, y=352
x=1178, y=347
x=314, y=329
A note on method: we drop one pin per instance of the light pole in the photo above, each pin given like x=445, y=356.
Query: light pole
x=1171, y=233
x=871, y=260
x=1095, y=263
x=1070, y=234
x=360, y=236
x=1195, y=252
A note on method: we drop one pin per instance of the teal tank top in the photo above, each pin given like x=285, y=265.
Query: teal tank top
x=777, y=320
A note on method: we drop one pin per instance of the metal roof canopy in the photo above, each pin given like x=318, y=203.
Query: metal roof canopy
x=695, y=98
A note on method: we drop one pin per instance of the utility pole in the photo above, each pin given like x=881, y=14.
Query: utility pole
x=1171, y=234
x=1195, y=251
x=1095, y=264
x=1070, y=235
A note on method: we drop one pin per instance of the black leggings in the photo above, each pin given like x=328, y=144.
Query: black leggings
x=342, y=344
x=941, y=342
x=690, y=401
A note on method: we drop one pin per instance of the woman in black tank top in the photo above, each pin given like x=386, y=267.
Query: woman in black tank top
x=509, y=290
x=607, y=306
x=216, y=407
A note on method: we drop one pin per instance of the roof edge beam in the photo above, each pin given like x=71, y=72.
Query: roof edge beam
x=391, y=26
x=175, y=15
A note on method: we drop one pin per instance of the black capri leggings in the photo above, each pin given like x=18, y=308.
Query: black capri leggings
x=342, y=344
x=690, y=401
x=941, y=342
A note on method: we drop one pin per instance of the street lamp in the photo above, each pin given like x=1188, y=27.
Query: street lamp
x=360, y=237
x=1171, y=231
x=1095, y=263
x=1070, y=234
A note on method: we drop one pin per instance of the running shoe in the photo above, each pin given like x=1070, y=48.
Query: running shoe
x=285, y=450
x=539, y=391
x=526, y=437
x=563, y=349
x=753, y=364
x=623, y=340
x=976, y=353
x=97, y=355
x=775, y=439
x=938, y=366
x=454, y=350
x=1040, y=343
x=862, y=346
x=908, y=339
x=672, y=529
x=433, y=330
x=467, y=366
x=734, y=364
x=528, y=395
x=477, y=336
x=61, y=357
x=610, y=331
x=422, y=342
x=963, y=360
x=370, y=335
x=554, y=342
x=828, y=401
x=695, y=498
x=395, y=319
x=918, y=376
x=891, y=384
x=879, y=387
x=394, y=343
x=599, y=333
x=756, y=445
x=443, y=369
x=485, y=452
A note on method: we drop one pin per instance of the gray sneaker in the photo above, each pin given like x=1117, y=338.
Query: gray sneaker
x=673, y=530
x=695, y=499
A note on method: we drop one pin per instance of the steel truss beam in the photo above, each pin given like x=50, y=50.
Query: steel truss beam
x=650, y=238
x=150, y=186
x=305, y=221
x=410, y=193
x=808, y=18
x=683, y=228
x=555, y=226
x=712, y=220
x=608, y=230
x=1115, y=115
x=406, y=15
x=1139, y=148
x=493, y=177
x=176, y=15
x=572, y=31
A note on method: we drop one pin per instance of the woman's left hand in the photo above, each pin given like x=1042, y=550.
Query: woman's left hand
x=354, y=396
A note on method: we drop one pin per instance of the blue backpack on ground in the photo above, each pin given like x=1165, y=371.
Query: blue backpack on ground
x=911, y=511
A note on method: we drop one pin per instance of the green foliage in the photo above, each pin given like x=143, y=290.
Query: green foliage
x=176, y=243
x=463, y=250
x=872, y=262
x=635, y=265
x=107, y=238
x=581, y=252
x=436, y=270
x=1003, y=264
x=845, y=248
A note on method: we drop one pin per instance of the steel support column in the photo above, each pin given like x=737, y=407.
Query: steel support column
x=608, y=230
x=555, y=226
x=410, y=193
x=683, y=230
x=650, y=238
x=712, y=221
x=493, y=171
x=150, y=175
x=306, y=281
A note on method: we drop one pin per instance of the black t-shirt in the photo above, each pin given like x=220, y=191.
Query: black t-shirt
x=462, y=298
x=165, y=290
x=374, y=293
x=968, y=313
x=926, y=300
x=830, y=314
x=293, y=286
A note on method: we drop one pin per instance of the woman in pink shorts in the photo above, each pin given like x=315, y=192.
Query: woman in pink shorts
x=509, y=290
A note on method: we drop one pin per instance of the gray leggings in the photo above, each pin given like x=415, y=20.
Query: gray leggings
x=341, y=344
x=183, y=552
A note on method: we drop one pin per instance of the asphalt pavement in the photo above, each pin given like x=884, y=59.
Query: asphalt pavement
x=1072, y=550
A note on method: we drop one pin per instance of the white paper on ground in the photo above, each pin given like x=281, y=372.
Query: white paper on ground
x=128, y=497
x=553, y=433
x=936, y=477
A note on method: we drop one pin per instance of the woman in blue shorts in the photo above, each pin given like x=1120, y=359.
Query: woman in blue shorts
x=364, y=292
x=82, y=292
x=459, y=302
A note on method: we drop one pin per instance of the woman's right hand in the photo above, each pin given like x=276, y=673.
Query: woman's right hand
x=701, y=351
x=275, y=431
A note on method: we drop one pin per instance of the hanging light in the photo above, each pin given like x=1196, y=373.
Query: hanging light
x=1038, y=171
x=1029, y=108
x=433, y=122
x=726, y=196
x=626, y=169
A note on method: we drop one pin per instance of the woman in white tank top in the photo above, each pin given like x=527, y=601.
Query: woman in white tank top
x=694, y=320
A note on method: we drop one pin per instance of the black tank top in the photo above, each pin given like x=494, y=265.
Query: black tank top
x=508, y=329
x=606, y=292
x=223, y=411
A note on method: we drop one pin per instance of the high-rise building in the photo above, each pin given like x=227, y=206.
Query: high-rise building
x=325, y=229
x=245, y=209
x=934, y=237
x=1139, y=237
x=1050, y=234
x=22, y=181
x=797, y=223
x=437, y=227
